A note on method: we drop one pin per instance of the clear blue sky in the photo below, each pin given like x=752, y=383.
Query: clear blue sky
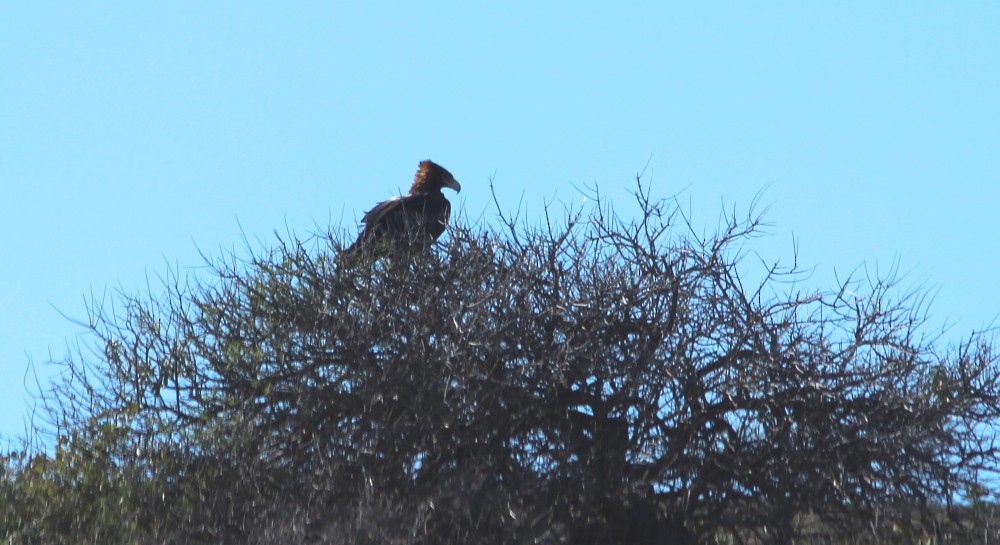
x=134, y=133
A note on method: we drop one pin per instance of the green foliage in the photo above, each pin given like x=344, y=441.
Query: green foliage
x=80, y=494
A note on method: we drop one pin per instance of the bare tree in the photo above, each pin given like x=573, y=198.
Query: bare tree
x=592, y=380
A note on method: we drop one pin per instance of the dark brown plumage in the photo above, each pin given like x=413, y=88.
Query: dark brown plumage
x=416, y=218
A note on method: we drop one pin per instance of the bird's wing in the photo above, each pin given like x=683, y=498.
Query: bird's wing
x=381, y=209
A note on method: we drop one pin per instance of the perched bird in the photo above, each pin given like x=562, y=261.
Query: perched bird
x=417, y=218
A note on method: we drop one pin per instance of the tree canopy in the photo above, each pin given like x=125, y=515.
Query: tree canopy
x=594, y=379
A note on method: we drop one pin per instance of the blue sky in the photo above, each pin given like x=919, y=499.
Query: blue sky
x=134, y=134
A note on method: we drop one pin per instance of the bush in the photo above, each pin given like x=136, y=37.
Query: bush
x=594, y=380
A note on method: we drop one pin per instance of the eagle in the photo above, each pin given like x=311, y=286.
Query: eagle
x=415, y=219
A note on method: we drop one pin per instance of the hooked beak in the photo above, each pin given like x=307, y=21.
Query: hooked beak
x=453, y=183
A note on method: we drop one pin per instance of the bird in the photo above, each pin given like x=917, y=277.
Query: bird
x=416, y=219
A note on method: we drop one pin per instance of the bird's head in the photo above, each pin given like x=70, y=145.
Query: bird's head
x=432, y=176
